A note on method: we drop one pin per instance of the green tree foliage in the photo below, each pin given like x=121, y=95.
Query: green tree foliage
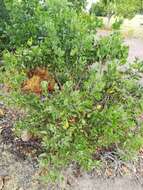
x=66, y=39
x=28, y=19
x=78, y=5
x=3, y=12
x=24, y=21
x=98, y=9
x=4, y=19
x=117, y=8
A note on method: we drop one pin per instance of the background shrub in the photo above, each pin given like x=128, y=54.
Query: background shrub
x=66, y=40
x=117, y=24
x=4, y=19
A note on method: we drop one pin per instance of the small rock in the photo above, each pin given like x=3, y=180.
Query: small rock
x=109, y=172
x=93, y=66
x=1, y=183
x=141, y=82
x=26, y=136
x=1, y=62
x=123, y=68
x=1, y=103
x=3, y=174
x=20, y=188
x=125, y=170
x=2, y=113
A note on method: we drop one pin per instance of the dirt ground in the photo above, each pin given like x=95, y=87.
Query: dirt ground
x=135, y=48
x=17, y=174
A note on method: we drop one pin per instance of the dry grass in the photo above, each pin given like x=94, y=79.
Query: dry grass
x=130, y=28
x=134, y=27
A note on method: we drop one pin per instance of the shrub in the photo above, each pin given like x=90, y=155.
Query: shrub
x=68, y=39
x=78, y=5
x=4, y=19
x=94, y=108
x=74, y=123
x=24, y=22
x=111, y=48
x=98, y=9
x=138, y=65
x=117, y=24
x=32, y=21
x=65, y=63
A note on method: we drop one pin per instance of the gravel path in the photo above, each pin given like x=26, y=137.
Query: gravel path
x=135, y=48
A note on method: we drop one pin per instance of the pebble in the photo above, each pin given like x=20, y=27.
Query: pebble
x=123, y=68
x=1, y=183
x=26, y=136
x=2, y=113
x=3, y=174
x=140, y=82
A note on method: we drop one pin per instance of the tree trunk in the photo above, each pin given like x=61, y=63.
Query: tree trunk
x=109, y=16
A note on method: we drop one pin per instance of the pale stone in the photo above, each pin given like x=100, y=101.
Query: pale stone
x=26, y=136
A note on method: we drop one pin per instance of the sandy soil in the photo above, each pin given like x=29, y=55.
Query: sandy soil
x=16, y=174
